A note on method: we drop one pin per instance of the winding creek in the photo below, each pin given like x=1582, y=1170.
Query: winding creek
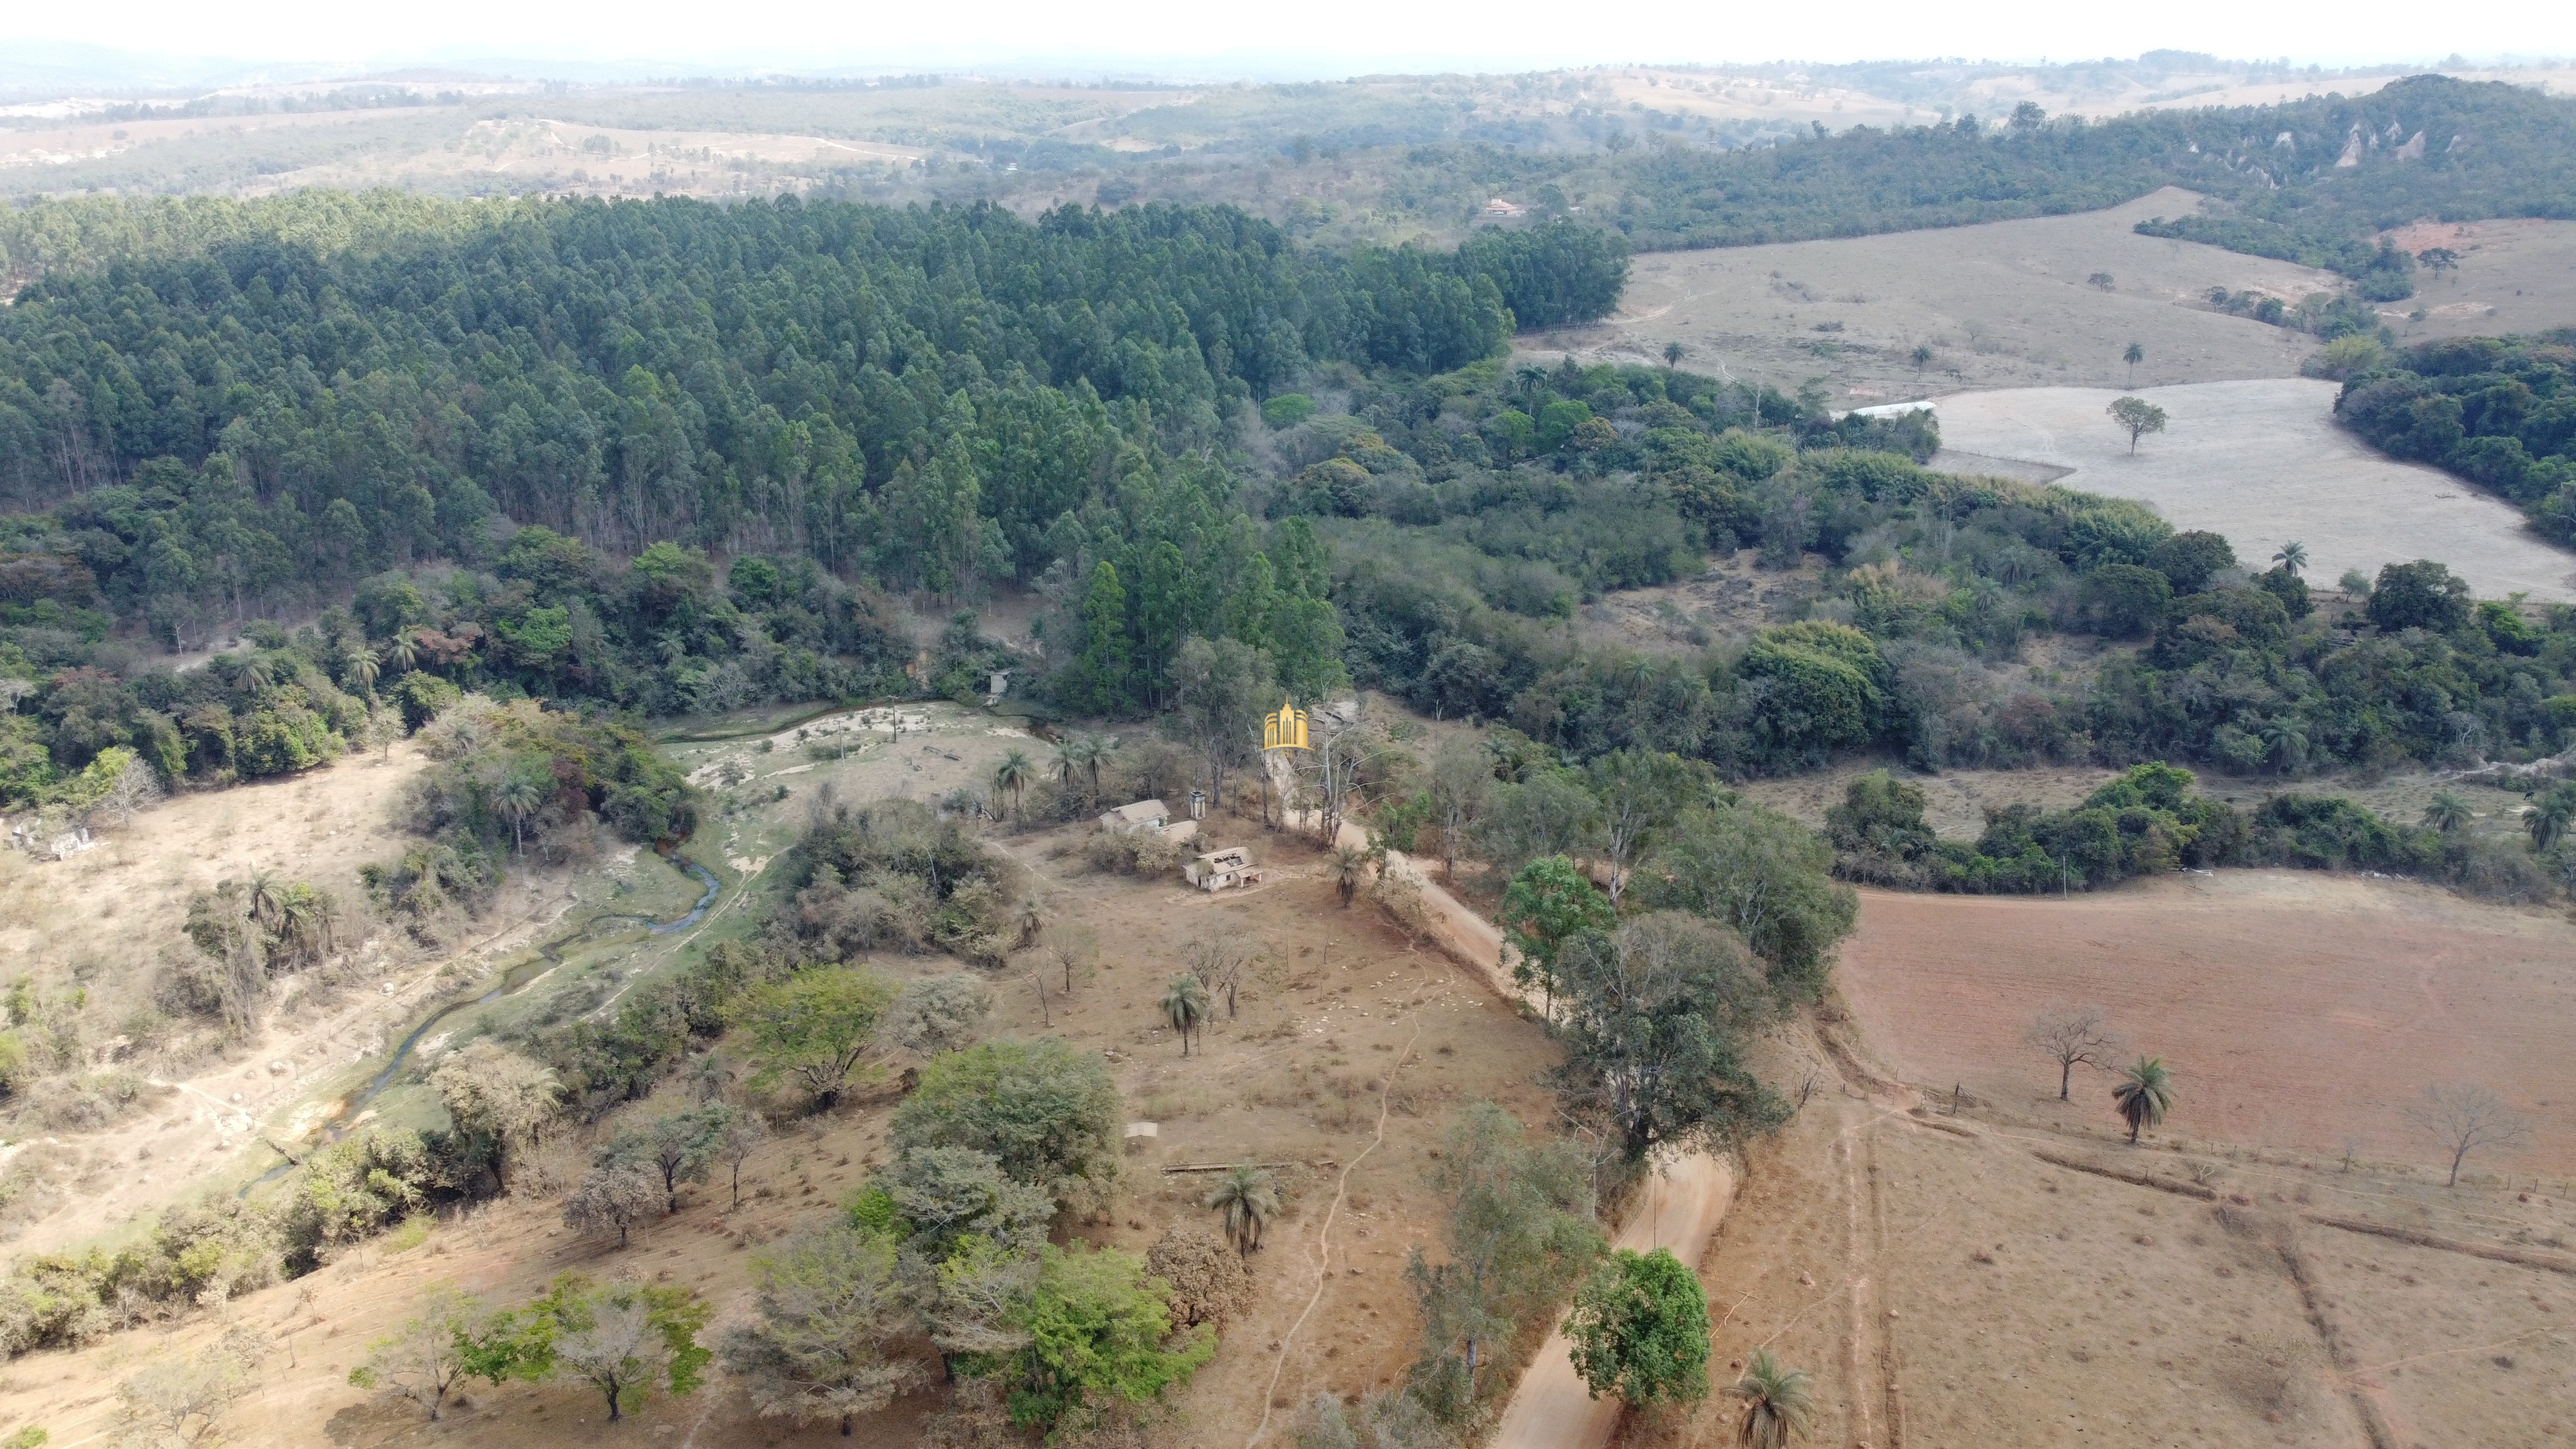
x=549, y=955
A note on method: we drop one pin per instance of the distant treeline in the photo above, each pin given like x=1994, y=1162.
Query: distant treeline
x=2306, y=180
x=2152, y=819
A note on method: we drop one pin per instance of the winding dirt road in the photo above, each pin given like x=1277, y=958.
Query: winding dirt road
x=1679, y=1208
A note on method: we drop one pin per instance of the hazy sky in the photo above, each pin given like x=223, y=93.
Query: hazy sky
x=1323, y=36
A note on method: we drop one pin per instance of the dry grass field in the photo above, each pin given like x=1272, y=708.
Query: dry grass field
x=1344, y=1018
x=2263, y=462
x=2300, y=1011
x=2514, y=276
x=2003, y=304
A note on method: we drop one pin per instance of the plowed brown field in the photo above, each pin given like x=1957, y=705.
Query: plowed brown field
x=2299, y=1011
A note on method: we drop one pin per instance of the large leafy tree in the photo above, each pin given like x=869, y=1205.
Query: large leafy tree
x=1518, y=1229
x=1048, y=1114
x=1546, y=908
x=1640, y=1330
x=1099, y=1336
x=814, y=1026
x=833, y=1310
x=1655, y=1025
x=629, y=1341
x=1762, y=875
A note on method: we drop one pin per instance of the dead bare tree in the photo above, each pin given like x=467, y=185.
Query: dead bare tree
x=2072, y=1036
x=2464, y=1118
x=1219, y=962
x=1074, y=949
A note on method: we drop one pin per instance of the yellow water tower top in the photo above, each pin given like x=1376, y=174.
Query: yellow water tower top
x=1285, y=730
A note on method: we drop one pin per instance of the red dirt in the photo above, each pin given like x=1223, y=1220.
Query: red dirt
x=2298, y=1011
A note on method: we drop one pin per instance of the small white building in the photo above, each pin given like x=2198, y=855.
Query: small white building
x=1142, y=815
x=1218, y=869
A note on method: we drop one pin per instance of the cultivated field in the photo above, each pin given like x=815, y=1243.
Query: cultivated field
x=2300, y=1011
x=2002, y=304
x=2262, y=462
x=1947, y=1286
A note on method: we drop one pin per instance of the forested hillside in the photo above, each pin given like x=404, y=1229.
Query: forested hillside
x=2305, y=181
x=217, y=413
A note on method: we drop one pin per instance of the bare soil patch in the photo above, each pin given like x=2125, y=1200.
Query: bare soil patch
x=1946, y=1286
x=2264, y=462
x=2299, y=1011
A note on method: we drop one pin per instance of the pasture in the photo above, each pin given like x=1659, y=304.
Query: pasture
x=2260, y=461
x=2002, y=304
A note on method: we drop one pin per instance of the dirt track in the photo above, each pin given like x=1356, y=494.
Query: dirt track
x=1682, y=1206
x=2299, y=1010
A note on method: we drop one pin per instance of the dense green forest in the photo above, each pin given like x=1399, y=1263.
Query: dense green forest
x=2500, y=411
x=516, y=440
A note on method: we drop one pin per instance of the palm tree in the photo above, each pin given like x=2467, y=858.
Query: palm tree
x=1013, y=774
x=2292, y=558
x=1673, y=354
x=306, y=918
x=1067, y=761
x=267, y=900
x=2549, y=818
x=1249, y=1202
x=2136, y=354
x=1529, y=377
x=1185, y=1005
x=2448, y=812
x=518, y=798
x=2144, y=1096
x=256, y=674
x=358, y=667
x=1349, y=864
x=401, y=653
x=1777, y=1402
x=2286, y=743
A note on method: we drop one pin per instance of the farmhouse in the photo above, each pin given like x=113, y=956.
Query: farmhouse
x=1142, y=815
x=1218, y=869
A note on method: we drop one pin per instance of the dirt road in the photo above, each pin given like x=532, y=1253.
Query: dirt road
x=1680, y=1208
x=1552, y=1409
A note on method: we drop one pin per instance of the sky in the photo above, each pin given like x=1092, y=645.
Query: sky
x=1319, y=38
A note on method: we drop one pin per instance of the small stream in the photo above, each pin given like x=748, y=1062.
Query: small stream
x=517, y=978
